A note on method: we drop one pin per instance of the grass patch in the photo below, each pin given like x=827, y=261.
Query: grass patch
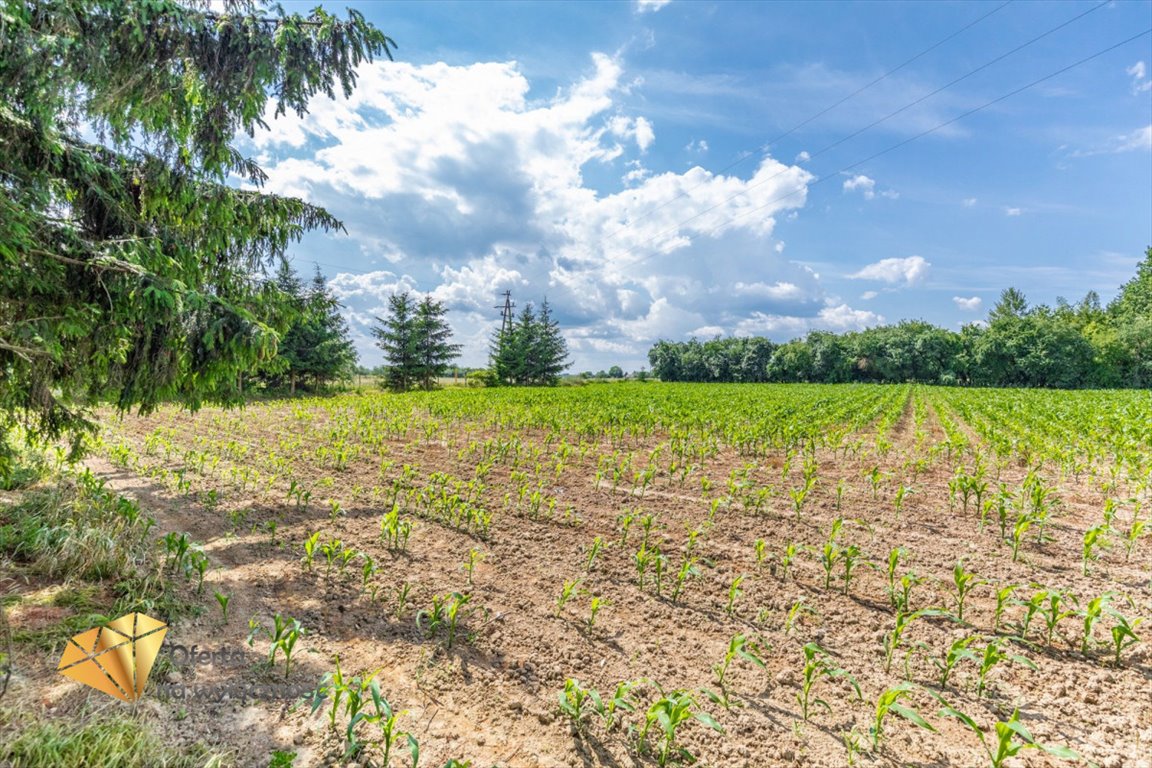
x=106, y=742
x=76, y=528
x=138, y=594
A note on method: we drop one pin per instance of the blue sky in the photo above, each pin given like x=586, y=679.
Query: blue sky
x=636, y=164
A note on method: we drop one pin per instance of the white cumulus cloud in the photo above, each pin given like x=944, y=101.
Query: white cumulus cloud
x=1139, y=139
x=969, y=304
x=1140, y=80
x=464, y=186
x=650, y=6
x=861, y=182
x=908, y=271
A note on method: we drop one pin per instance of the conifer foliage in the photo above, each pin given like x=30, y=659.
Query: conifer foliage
x=316, y=349
x=415, y=340
x=130, y=270
x=534, y=352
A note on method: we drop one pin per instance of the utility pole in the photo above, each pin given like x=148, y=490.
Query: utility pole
x=506, y=314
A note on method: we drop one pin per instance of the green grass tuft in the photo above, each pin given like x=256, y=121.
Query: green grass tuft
x=106, y=742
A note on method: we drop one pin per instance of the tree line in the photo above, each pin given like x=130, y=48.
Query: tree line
x=1066, y=346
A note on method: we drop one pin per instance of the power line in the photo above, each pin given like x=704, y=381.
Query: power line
x=922, y=134
x=873, y=124
x=821, y=113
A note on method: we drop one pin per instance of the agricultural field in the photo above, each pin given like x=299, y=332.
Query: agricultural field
x=648, y=574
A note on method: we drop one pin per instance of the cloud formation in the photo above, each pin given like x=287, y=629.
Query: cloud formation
x=650, y=6
x=452, y=181
x=970, y=304
x=1140, y=79
x=908, y=271
x=860, y=182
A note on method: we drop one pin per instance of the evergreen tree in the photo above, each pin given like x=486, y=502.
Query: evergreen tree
x=398, y=336
x=131, y=270
x=434, y=352
x=316, y=348
x=323, y=345
x=550, y=350
x=534, y=352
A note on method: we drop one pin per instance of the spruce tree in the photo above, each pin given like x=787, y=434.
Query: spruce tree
x=326, y=353
x=551, y=350
x=397, y=336
x=316, y=348
x=434, y=351
x=533, y=352
x=131, y=266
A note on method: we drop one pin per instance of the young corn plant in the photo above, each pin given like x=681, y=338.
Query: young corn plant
x=643, y=561
x=659, y=567
x=964, y=581
x=957, y=652
x=368, y=569
x=994, y=653
x=597, y=603
x=624, y=525
x=223, y=600
x=1002, y=598
x=395, y=531
x=471, y=561
x=351, y=692
x=1011, y=738
x=734, y=593
x=1091, y=614
x=796, y=613
x=386, y=718
x=1095, y=539
x=875, y=479
x=310, y=547
x=894, y=640
x=902, y=493
x=1123, y=634
x=888, y=703
x=787, y=558
x=831, y=551
x=593, y=552
x=895, y=555
x=577, y=703
x=902, y=596
x=849, y=555
x=621, y=701
x=688, y=570
x=841, y=488
x=1135, y=531
x=761, y=549
x=738, y=647
x=403, y=599
x=567, y=592
x=1025, y=519
x=1053, y=611
x=669, y=713
x=198, y=562
x=283, y=636
x=817, y=668
x=446, y=613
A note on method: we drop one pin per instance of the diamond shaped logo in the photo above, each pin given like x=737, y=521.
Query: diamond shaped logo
x=117, y=657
